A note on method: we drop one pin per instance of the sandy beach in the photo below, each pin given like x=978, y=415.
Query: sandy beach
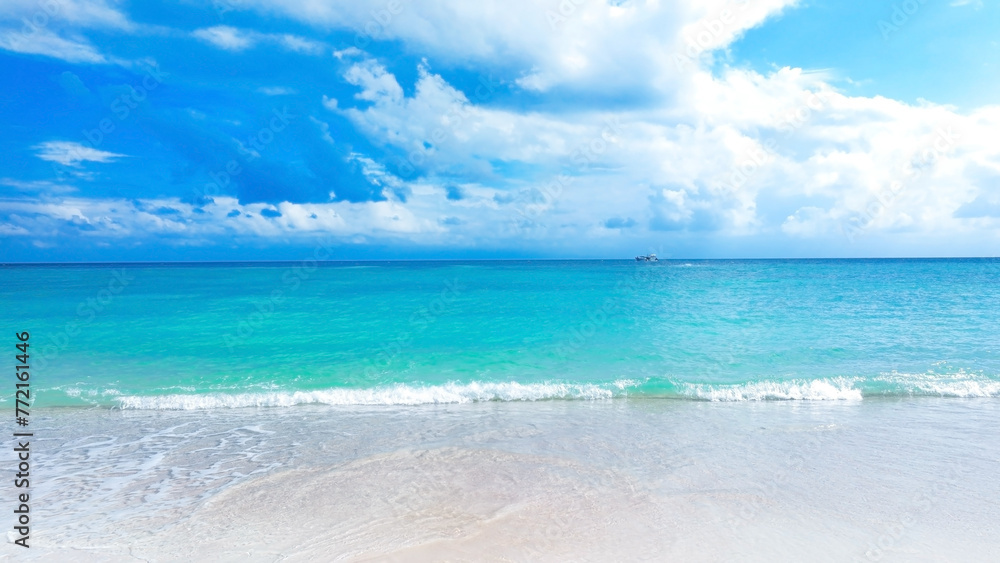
x=620, y=480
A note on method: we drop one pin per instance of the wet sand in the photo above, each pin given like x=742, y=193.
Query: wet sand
x=616, y=480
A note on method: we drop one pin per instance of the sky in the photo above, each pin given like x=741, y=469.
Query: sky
x=396, y=129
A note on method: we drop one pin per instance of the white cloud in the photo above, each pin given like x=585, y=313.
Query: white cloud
x=741, y=154
x=439, y=128
x=225, y=37
x=376, y=84
x=324, y=129
x=116, y=218
x=276, y=91
x=682, y=150
x=348, y=52
x=45, y=42
x=69, y=153
x=34, y=15
x=53, y=28
x=37, y=186
x=233, y=39
x=593, y=46
x=299, y=44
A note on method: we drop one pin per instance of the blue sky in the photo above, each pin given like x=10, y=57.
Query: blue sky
x=261, y=129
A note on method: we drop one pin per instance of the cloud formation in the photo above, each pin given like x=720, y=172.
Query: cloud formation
x=69, y=153
x=571, y=128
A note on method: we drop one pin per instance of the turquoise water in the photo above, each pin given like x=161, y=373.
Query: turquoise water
x=145, y=336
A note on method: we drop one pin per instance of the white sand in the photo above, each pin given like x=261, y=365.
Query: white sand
x=624, y=481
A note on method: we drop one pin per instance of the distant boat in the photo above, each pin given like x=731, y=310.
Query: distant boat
x=646, y=258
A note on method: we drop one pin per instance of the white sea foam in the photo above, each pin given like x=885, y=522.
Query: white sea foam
x=390, y=395
x=77, y=392
x=835, y=389
x=826, y=389
x=961, y=384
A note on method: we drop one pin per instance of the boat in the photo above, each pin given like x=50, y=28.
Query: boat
x=646, y=258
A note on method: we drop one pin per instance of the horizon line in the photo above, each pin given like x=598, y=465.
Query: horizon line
x=289, y=261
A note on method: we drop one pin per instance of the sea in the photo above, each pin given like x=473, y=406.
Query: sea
x=736, y=410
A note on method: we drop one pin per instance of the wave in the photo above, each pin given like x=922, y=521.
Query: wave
x=838, y=389
x=959, y=385
x=400, y=394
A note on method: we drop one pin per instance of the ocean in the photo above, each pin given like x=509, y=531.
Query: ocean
x=550, y=410
x=195, y=336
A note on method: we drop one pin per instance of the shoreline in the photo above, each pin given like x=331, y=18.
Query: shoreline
x=624, y=398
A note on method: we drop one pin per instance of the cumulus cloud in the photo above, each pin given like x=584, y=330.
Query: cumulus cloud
x=441, y=131
x=741, y=153
x=625, y=124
